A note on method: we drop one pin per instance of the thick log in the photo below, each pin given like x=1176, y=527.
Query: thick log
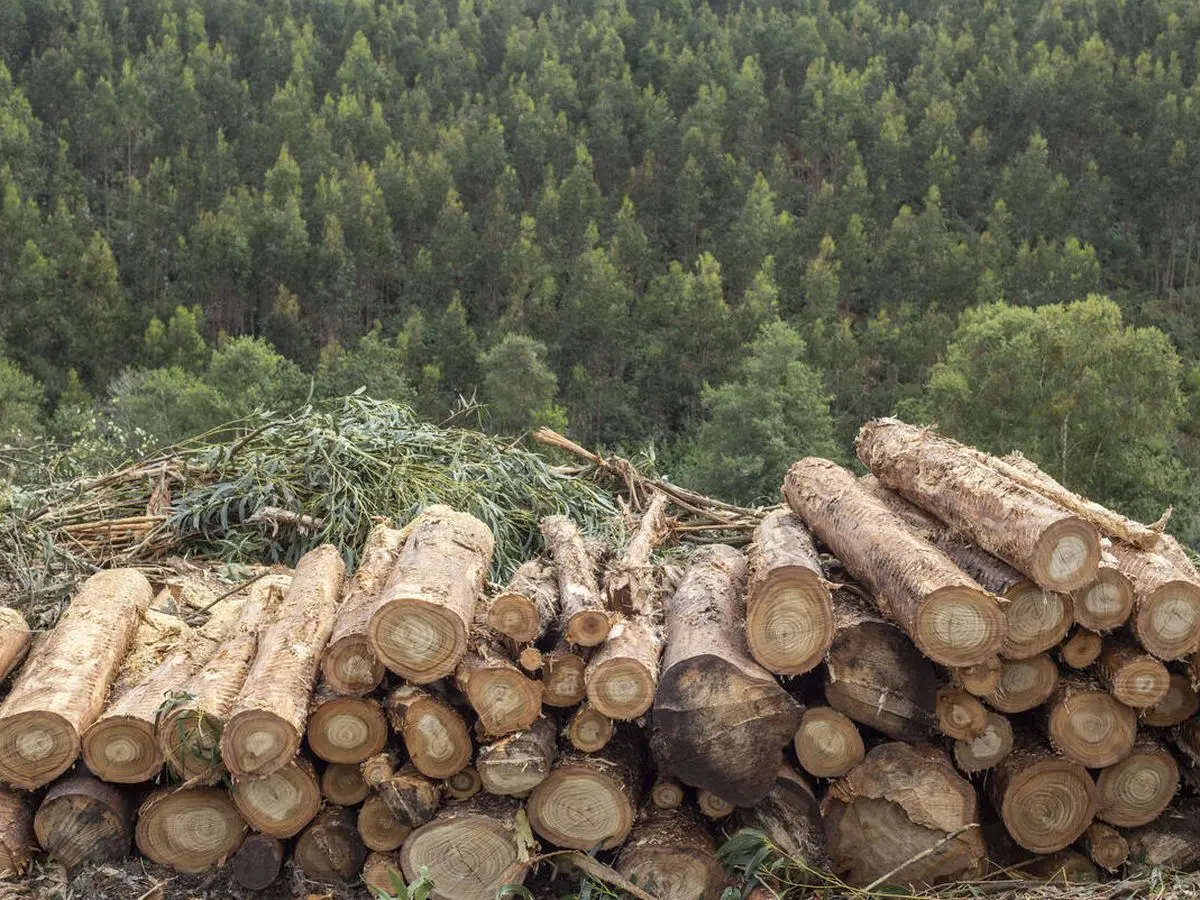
x=720, y=720
x=464, y=784
x=1178, y=705
x=1140, y=787
x=505, y=699
x=875, y=675
x=671, y=855
x=1087, y=724
x=1172, y=841
x=342, y=784
x=628, y=583
x=828, y=743
x=1024, y=684
x=257, y=862
x=622, y=675
x=421, y=621
x=927, y=810
x=266, y=723
x=17, y=845
x=378, y=826
x=590, y=799
x=382, y=874
x=987, y=750
x=666, y=793
x=411, y=797
x=1059, y=550
x=349, y=665
x=434, y=734
x=61, y=690
x=948, y=616
x=1105, y=846
x=15, y=638
x=516, y=764
x=563, y=670
x=1046, y=800
x=468, y=850
x=961, y=715
x=1135, y=678
x=1081, y=649
x=190, y=722
x=346, y=729
x=1166, y=615
x=1107, y=602
x=282, y=803
x=528, y=607
x=583, y=616
x=789, y=611
x=190, y=830
x=790, y=817
x=330, y=849
x=83, y=820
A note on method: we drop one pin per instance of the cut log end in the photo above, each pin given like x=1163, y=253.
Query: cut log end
x=464, y=784
x=588, y=801
x=1089, y=726
x=667, y=794
x=330, y=849
x=1139, y=680
x=987, y=750
x=828, y=744
x=588, y=628
x=671, y=855
x=621, y=687
x=1045, y=800
x=563, y=679
x=1081, y=649
x=347, y=729
x=1037, y=620
x=378, y=826
x=514, y=765
x=468, y=850
x=505, y=699
x=435, y=735
x=789, y=624
x=1167, y=622
x=258, y=742
x=1178, y=705
x=83, y=820
x=1066, y=556
x=189, y=830
x=379, y=768
x=342, y=784
x=960, y=714
x=36, y=746
x=960, y=627
x=349, y=666
x=418, y=640
x=1106, y=603
x=257, y=862
x=190, y=744
x=981, y=679
x=122, y=749
x=589, y=729
x=515, y=616
x=1024, y=684
x=281, y=803
x=382, y=874
x=1106, y=847
x=713, y=806
x=1139, y=788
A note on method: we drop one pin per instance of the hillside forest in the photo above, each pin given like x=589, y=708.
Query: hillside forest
x=717, y=234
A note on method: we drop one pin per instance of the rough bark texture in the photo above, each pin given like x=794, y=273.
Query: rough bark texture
x=621, y=677
x=1135, y=678
x=789, y=611
x=434, y=734
x=1179, y=704
x=790, y=817
x=514, y=765
x=960, y=714
x=1055, y=548
x=948, y=616
x=420, y=623
x=987, y=750
x=1172, y=841
x=563, y=670
x=1024, y=684
x=1105, y=846
x=264, y=727
x=875, y=675
x=17, y=846
x=378, y=826
x=1087, y=724
x=671, y=854
x=330, y=849
x=342, y=784
x=83, y=820
x=190, y=830
x=282, y=803
x=1081, y=649
x=257, y=862
x=411, y=797
x=346, y=729
x=588, y=729
x=720, y=719
x=469, y=850
x=828, y=744
x=583, y=616
x=15, y=638
x=505, y=699
x=1046, y=800
x=628, y=584
x=528, y=607
x=61, y=690
x=912, y=795
x=1136, y=790
x=1166, y=615
x=349, y=665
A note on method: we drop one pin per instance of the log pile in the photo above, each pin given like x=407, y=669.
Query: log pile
x=892, y=661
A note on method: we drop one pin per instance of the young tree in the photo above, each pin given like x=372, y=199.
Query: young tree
x=519, y=388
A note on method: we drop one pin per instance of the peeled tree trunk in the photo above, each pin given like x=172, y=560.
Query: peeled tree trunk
x=583, y=615
x=62, y=689
x=720, y=720
x=420, y=624
x=1057, y=549
x=267, y=721
x=950, y=618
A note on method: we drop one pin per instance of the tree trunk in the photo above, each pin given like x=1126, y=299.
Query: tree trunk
x=1105, y=846
x=589, y=799
x=83, y=820
x=411, y=797
x=789, y=612
x=1046, y=800
x=331, y=849
x=1179, y=704
x=1172, y=841
x=62, y=689
x=17, y=845
x=1087, y=724
x=875, y=675
x=1135, y=678
x=349, y=665
x=1140, y=787
x=720, y=719
x=790, y=817
x=987, y=750
x=282, y=803
x=342, y=784
x=505, y=699
x=420, y=623
x=961, y=715
x=1166, y=615
x=622, y=675
x=190, y=722
x=1055, y=548
x=15, y=638
x=666, y=793
x=628, y=584
x=464, y=785
x=914, y=796
x=378, y=826
x=514, y=765
x=528, y=607
x=434, y=734
x=1081, y=649
x=346, y=729
x=1024, y=684
x=827, y=743
x=948, y=616
x=189, y=830
x=382, y=874
x=588, y=729
x=562, y=675
x=583, y=617
x=487, y=825
x=1107, y=602
x=671, y=855
x=257, y=862
x=713, y=806
x=264, y=727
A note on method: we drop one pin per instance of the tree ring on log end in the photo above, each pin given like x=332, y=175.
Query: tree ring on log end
x=514, y=616
x=828, y=744
x=258, y=742
x=418, y=640
x=1048, y=805
x=621, y=688
x=588, y=628
x=35, y=748
x=1168, y=621
x=123, y=750
x=1024, y=684
x=1139, y=788
x=579, y=808
x=1106, y=603
x=466, y=856
x=960, y=627
x=1141, y=682
x=1037, y=620
x=190, y=830
x=1092, y=728
x=347, y=730
x=1067, y=555
x=350, y=666
x=1178, y=705
x=790, y=624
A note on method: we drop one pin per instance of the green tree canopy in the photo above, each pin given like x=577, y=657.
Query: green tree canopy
x=519, y=388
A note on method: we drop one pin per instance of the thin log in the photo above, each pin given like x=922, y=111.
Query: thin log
x=627, y=582
x=434, y=733
x=17, y=844
x=1024, y=684
x=588, y=729
x=1105, y=846
x=257, y=863
x=828, y=744
x=667, y=793
x=342, y=784
x=981, y=679
x=1081, y=649
x=83, y=820
x=563, y=670
x=1107, y=602
x=330, y=849
x=583, y=616
x=412, y=798
x=464, y=785
x=987, y=750
x=382, y=874
x=961, y=716
x=1135, y=678
x=379, y=768
x=713, y=806
x=528, y=607
x=790, y=817
x=516, y=764
x=378, y=826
